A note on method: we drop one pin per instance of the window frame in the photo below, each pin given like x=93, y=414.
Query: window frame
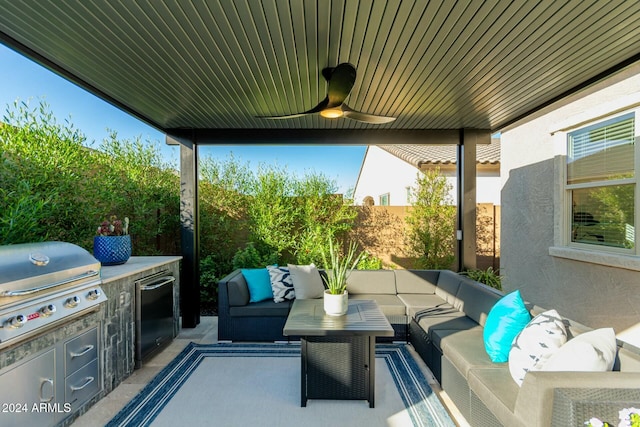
x=569, y=188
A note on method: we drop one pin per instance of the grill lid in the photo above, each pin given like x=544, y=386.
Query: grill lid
x=24, y=267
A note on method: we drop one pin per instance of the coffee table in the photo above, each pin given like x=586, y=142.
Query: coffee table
x=337, y=353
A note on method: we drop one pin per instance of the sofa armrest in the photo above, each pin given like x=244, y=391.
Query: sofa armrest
x=535, y=398
x=232, y=291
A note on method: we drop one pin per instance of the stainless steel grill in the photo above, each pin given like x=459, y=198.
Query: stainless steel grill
x=43, y=285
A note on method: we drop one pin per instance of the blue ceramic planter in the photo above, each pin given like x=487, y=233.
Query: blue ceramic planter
x=112, y=250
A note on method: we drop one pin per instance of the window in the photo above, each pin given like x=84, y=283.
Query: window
x=384, y=199
x=601, y=185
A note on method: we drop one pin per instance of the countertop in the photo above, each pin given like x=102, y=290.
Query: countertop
x=134, y=265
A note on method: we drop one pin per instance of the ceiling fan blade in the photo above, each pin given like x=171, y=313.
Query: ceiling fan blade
x=341, y=80
x=321, y=106
x=364, y=117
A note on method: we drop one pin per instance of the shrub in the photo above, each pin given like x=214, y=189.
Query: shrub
x=489, y=277
x=431, y=222
x=53, y=187
x=250, y=257
x=369, y=262
x=209, y=283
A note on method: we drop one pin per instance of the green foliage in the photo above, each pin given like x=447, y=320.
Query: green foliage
x=431, y=222
x=489, y=277
x=53, y=187
x=250, y=257
x=209, y=278
x=277, y=211
x=369, y=262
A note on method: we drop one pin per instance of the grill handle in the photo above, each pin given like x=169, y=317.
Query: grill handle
x=20, y=293
x=155, y=285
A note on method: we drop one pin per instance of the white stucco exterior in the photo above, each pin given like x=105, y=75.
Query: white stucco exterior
x=596, y=287
x=383, y=173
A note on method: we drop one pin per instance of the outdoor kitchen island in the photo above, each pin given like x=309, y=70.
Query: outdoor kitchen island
x=119, y=320
x=52, y=374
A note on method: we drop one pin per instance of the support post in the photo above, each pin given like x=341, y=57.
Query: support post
x=469, y=206
x=189, y=234
x=467, y=211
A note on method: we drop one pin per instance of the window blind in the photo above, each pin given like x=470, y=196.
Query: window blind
x=602, y=152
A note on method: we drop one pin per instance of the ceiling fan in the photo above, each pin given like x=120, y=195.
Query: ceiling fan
x=340, y=81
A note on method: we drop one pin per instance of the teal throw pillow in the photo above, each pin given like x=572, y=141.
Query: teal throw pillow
x=506, y=319
x=259, y=284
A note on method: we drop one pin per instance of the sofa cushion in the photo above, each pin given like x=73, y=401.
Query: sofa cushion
x=593, y=351
x=506, y=319
x=448, y=284
x=390, y=305
x=267, y=308
x=371, y=282
x=416, y=281
x=307, y=282
x=437, y=335
x=627, y=361
x=416, y=303
x=281, y=283
x=465, y=350
x=258, y=283
x=535, y=344
x=445, y=319
x=475, y=300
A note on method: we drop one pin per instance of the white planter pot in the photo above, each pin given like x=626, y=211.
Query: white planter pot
x=336, y=305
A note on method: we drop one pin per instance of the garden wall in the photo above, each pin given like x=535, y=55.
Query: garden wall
x=380, y=231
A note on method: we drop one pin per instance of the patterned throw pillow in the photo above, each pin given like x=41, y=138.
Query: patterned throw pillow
x=281, y=283
x=535, y=344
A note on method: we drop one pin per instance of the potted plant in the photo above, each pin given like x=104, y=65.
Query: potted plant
x=112, y=245
x=339, y=267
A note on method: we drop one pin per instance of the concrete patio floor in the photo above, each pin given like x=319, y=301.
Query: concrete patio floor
x=205, y=333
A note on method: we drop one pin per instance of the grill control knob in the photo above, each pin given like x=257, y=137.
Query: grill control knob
x=17, y=321
x=48, y=310
x=94, y=294
x=72, y=302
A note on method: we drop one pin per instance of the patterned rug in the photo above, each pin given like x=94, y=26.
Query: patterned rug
x=259, y=384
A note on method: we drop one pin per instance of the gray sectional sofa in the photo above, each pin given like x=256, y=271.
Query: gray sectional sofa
x=443, y=314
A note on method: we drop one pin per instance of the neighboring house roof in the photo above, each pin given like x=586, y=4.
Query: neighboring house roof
x=418, y=155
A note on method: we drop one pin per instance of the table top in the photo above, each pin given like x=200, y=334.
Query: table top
x=364, y=317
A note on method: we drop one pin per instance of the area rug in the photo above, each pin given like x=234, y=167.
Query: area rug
x=230, y=384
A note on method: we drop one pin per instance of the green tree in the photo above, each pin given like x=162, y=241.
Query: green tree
x=430, y=234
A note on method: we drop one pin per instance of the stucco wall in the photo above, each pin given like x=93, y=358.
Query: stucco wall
x=532, y=160
x=382, y=172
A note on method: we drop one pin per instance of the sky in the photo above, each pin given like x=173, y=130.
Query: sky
x=26, y=81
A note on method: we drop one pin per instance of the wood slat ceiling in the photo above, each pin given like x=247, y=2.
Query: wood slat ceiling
x=432, y=64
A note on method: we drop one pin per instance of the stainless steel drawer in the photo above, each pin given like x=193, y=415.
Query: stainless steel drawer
x=80, y=350
x=82, y=385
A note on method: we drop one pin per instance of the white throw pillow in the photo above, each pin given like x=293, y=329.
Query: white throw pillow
x=307, y=282
x=593, y=351
x=535, y=344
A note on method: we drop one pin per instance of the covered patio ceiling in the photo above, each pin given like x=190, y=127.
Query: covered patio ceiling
x=217, y=64
x=202, y=70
